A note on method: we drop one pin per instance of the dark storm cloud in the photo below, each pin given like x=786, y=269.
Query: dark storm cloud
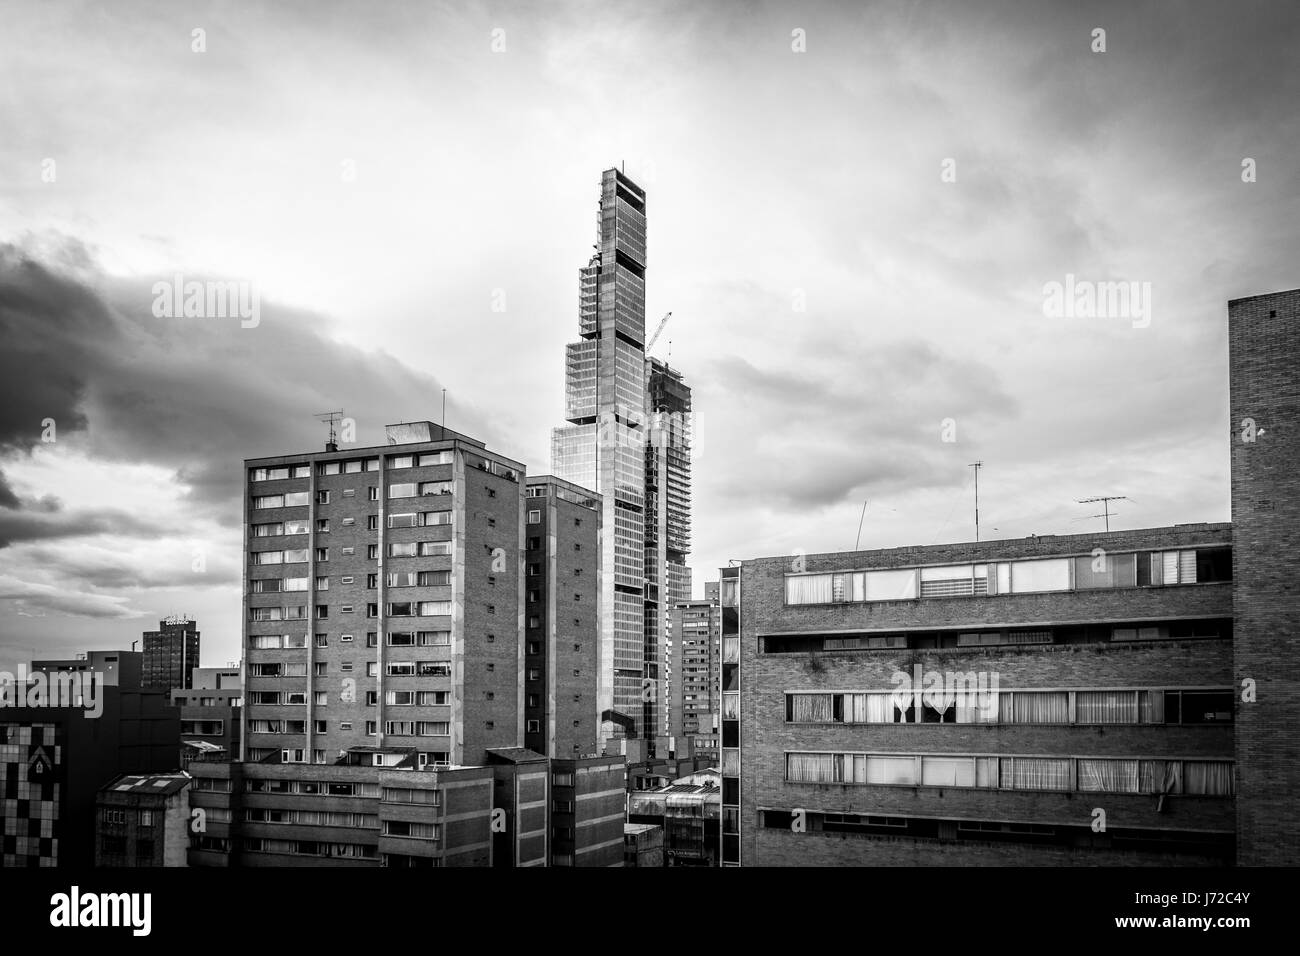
x=37, y=523
x=194, y=395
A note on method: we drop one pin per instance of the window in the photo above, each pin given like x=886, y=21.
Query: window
x=534, y=726
x=322, y=611
x=433, y=638
x=372, y=551
x=434, y=579
x=402, y=490
x=267, y=557
x=535, y=517
x=436, y=458
x=432, y=728
x=322, y=640
x=429, y=518
x=431, y=698
x=402, y=550
x=267, y=530
x=401, y=461
x=323, y=554
x=321, y=698
x=270, y=474
x=434, y=608
x=435, y=488
x=435, y=547
x=322, y=525
x=322, y=584
x=322, y=497
x=372, y=523
x=319, y=726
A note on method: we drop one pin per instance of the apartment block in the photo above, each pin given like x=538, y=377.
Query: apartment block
x=356, y=813
x=170, y=655
x=692, y=678
x=1047, y=700
x=1264, y=355
x=143, y=820
x=587, y=811
x=384, y=601
x=559, y=682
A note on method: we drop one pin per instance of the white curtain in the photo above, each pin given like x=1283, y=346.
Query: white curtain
x=855, y=708
x=986, y=771
x=1106, y=707
x=1035, y=773
x=730, y=706
x=948, y=771
x=891, y=770
x=1038, y=707
x=1109, y=776
x=810, y=768
x=808, y=589
x=880, y=709
x=811, y=708
x=975, y=707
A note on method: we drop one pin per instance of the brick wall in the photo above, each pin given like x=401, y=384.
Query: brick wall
x=1264, y=356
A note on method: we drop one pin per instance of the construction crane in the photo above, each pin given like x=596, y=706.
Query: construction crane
x=654, y=338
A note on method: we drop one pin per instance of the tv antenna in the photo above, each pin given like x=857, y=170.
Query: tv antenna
x=977, y=465
x=1105, y=500
x=332, y=418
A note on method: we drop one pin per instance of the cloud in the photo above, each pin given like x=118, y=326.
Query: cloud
x=32, y=600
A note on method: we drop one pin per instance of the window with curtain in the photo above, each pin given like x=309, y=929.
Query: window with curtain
x=1106, y=707
x=1036, y=707
x=1160, y=776
x=730, y=763
x=901, y=770
x=810, y=708
x=948, y=771
x=1151, y=707
x=1211, y=778
x=986, y=772
x=1105, y=571
x=810, y=768
x=855, y=708
x=978, y=707
x=809, y=589
x=880, y=709
x=730, y=706
x=948, y=582
x=1035, y=773
x=1109, y=776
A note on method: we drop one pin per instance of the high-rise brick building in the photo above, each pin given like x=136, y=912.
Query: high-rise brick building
x=1264, y=363
x=692, y=695
x=562, y=618
x=384, y=600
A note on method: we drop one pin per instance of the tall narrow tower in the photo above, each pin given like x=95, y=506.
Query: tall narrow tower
x=604, y=445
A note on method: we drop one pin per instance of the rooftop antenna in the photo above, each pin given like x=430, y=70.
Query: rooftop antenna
x=858, y=541
x=443, y=425
x=977, y=465
x=1106, y=500
x=332, y=418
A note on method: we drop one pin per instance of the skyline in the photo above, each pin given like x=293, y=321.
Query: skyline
x=378, y=292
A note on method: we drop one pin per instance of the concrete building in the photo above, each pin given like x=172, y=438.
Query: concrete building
x=53, y=760
x=1116, y=698
x=587, y=811
x=170, y=655
x=643, y=845
x=688, y=811
x=692, y=680
x=562, y=618
x=521, y=824
x=374, y=808
x=210, y=714
x=112, y=668
x=143, y=820
x=628, y=439
x=384, y=600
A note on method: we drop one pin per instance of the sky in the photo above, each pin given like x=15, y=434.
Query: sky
x=854, y=211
